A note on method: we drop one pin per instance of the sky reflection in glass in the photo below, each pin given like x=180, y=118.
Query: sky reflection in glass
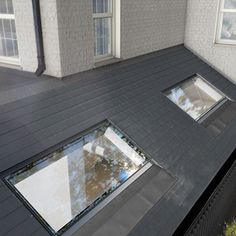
x=194, y=96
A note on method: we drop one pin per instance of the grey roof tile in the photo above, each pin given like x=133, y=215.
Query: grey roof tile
x=130, y=94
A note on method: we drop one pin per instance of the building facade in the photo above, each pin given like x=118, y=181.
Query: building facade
x=79, y=35
x=211, y=33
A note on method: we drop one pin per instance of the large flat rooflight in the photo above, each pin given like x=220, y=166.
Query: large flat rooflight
x=73, y=181
x=195, y=96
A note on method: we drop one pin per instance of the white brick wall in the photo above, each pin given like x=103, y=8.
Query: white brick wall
x=146, y=26
x=75, y=35
x=200, y=34
x=151, y=25
x=26, y=36
x=50, y=37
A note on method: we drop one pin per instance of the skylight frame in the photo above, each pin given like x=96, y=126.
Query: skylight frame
x=212, y=109
x=94, y=208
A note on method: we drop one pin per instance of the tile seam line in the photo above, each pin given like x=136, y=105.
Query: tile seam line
x=68, y=91
x=71, y=98
x=66, y=86
x=129, y=83
x=62, y=120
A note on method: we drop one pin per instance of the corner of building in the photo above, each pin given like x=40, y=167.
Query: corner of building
x=200, y=33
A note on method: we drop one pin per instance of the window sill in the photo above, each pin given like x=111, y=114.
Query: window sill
x=10, y=65
x=107, y=62
x=224, y=44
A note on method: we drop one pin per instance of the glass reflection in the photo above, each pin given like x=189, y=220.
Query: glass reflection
x=230, y=4
x=229, y=26
x=194, y=96
x=77, y=176
x=102, y=32
x=102, y=6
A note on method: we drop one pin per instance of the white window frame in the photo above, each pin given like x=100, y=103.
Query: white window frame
x=9, y=60
x=115, y=31
x=221, y=12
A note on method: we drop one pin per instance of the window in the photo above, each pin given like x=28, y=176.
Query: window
x=103, y=22
x=8, y=39
x=226, y=32
x=71, y=182
x=195, y=96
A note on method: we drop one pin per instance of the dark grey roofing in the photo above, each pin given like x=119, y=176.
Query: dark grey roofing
x=15, y=85
x=219, y=209
x=129, y=94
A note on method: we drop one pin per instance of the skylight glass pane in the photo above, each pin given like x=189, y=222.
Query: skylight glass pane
x=195, y=96
x=229, y=26
x=72, y=180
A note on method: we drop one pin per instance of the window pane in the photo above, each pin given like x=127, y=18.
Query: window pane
x=230, y=4
x=102, y=6
x=8, y=40
x=10, y=48
x=194, y=96
x=13, y=29
x=10, y=7
x=6, y=7
x=1, y=29
x=3, y=6
x=16, y=53
x=2, y=48
x=7, y=28
x=79, y=175
x=229, y=26
x=102, y=35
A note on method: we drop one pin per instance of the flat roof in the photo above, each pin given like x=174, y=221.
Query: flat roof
x=128, y=93
x=77, y=180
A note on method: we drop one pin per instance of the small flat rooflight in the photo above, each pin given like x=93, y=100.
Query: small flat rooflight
x=72, y=181
x=195, y=96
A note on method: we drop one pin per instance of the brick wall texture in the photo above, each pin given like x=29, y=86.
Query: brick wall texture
x=151, y=25
x=200, y=36
x=26, y=36
x=145, y=26
x=75, y=35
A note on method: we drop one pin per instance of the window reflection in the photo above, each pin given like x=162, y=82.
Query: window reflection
x=229, y=26
x=62, y=186
x=194, y=96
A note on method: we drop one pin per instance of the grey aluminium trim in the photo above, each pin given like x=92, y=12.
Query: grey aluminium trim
x=213, y=86
x=220, y=103
x=208, y=113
